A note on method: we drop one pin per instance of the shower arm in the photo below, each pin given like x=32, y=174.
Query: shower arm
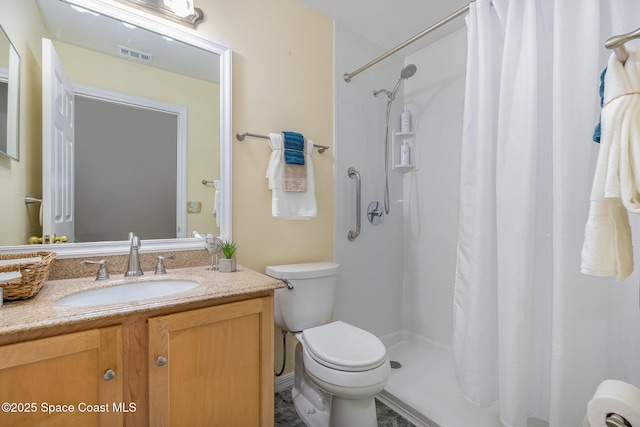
x=379, y=91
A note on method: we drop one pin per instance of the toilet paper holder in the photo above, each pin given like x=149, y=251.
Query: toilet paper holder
x=615, y=420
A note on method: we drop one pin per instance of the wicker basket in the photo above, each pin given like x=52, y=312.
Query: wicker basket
x=34, y=275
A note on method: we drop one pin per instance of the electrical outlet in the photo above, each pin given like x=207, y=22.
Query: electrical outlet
x=194, y=207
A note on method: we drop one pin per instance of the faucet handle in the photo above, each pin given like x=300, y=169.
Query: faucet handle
x=160, y=266
x=103, y=273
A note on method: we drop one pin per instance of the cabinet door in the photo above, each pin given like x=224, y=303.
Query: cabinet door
x=60, y=381
x=213, y=366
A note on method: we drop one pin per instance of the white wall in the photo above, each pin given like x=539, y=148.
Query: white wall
x=435, y=97
x=370, y=280
x=399, y=275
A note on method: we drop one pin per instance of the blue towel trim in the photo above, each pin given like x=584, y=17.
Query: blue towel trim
x=597, y=132
x=292, y=157
x=293, y=148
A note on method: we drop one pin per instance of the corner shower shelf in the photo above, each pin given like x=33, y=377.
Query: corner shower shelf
x=398, y=140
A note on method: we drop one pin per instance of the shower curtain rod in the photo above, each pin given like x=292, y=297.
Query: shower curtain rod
x=347, y=76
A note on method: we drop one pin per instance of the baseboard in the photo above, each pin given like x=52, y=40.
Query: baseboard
x=283, y=382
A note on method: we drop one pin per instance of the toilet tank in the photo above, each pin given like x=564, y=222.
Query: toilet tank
x=310, y=302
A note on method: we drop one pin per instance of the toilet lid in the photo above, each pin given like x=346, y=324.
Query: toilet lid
x=341, y=346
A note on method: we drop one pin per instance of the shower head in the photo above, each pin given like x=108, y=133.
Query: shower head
x=406, y=72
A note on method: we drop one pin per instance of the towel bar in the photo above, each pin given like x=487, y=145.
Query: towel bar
x=30, y=200
x=617, y=44
x=241, y=135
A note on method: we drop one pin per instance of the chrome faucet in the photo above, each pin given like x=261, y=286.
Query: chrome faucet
x=134, y=268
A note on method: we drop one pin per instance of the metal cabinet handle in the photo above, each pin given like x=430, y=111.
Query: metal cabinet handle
x=352, y=234
x=109, y=375
x=161, y=361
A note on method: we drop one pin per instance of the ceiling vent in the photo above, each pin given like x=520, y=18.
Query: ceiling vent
x=137, y=55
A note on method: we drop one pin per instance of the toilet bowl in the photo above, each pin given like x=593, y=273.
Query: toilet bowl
x=339, y=367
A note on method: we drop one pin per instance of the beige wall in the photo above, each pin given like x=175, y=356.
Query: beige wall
x=21, y=21
x=282, y=80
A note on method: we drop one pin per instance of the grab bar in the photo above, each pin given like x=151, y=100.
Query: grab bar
x=352, y=234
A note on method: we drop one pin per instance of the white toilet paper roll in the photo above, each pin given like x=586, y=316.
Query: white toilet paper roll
x=616, y=397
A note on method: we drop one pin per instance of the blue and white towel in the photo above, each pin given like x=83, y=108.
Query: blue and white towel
x=293, y=148
x=289, y=204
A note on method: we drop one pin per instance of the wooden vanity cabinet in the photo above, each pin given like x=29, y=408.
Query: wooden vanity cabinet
x=212, y=366
x=205, y=364
x=64, y=380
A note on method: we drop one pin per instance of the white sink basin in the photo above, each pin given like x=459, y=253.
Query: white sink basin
x=127, y=292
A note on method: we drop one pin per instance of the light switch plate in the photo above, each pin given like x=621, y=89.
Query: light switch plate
x=194, y=207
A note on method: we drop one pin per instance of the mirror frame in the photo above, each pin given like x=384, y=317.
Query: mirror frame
x=13, y=103
x=175, y=31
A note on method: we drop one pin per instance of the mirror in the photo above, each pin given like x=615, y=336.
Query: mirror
x=9, y=97
x=97, y=65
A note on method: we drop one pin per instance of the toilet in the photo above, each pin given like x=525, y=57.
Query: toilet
x=339, y=368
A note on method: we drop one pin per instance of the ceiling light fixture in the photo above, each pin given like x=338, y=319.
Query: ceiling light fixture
x=181, y=11
x=182, y=8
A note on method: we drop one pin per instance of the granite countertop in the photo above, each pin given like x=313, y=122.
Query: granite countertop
x=41, y=311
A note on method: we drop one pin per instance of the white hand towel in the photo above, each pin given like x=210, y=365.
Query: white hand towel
x=216, y=201
x=286, y=204
x=607, y=248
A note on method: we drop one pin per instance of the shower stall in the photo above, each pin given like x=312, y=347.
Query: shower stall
x=397, y=278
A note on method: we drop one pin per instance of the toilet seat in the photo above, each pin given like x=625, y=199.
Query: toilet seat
x=344, y=347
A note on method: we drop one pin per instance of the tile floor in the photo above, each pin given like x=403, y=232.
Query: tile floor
x=286, y=415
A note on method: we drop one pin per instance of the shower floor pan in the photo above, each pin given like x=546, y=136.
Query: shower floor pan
x=424, y=390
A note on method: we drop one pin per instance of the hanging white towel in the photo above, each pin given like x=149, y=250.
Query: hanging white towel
x=607, y=248
x=216, y=201
x=286, y=204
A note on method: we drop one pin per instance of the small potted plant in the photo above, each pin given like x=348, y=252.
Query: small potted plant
x=228, y=263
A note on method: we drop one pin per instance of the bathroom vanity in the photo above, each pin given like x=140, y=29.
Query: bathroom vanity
x=203, y=356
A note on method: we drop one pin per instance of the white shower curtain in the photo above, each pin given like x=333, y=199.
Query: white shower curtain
x=529, y=329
